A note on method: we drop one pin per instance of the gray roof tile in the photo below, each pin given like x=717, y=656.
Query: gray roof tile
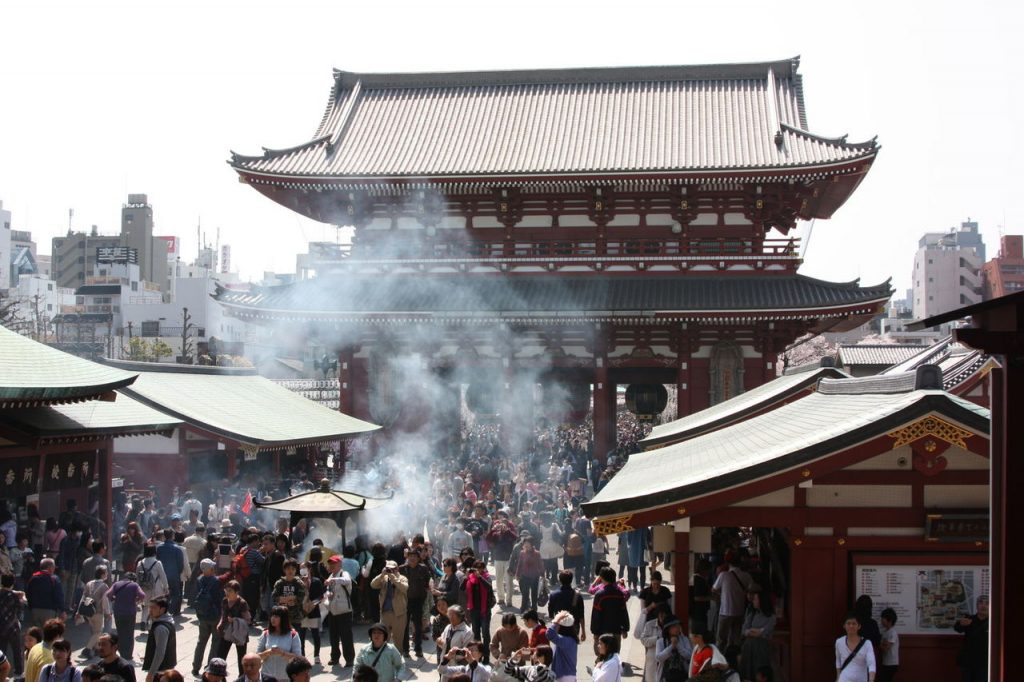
x=241, y=406
x=562, y=121
x=882, y=354
x=747, y=403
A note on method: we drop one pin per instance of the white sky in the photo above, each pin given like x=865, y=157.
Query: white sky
x=99, y=99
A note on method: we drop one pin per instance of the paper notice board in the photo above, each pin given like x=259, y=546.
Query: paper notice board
x=927, y=600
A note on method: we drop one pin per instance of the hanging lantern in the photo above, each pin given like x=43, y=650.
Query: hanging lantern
x=646, y=401
x=482, y=399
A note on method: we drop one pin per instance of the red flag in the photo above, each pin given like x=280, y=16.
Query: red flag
x=247, y=505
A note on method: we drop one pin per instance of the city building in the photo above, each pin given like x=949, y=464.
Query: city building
x=74, y=256
x=96, y=318
x=947, y=270
x=5, y=246
x=1004, y=274
x=137, y=233
x=584, y=258
x=39, y=301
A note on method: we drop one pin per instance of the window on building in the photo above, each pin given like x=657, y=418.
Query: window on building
x=135, y=286
x=49, y=286
x=151, y=328
x=79, y=300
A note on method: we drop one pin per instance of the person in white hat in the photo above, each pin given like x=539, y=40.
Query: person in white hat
x=562, y=633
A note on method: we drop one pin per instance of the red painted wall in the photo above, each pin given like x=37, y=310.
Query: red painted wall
x=818, y=604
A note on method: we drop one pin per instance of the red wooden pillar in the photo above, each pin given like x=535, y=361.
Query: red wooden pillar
x=1007, y=519
x=104, y=464
x=604, y=414
x=797, y=576
x=1000, y=331
x=681, y=572
x=683, y=385
x=345, y=381
x=231, y=452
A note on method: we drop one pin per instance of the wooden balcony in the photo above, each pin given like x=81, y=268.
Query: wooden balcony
x=740, y=254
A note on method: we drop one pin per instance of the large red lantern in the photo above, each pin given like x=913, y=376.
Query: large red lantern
x=646, y=401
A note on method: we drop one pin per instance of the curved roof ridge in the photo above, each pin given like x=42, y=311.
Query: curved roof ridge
x=852, y=284
x=273, y=153
x=868, y=145
x=332, y=102
x=786, y=68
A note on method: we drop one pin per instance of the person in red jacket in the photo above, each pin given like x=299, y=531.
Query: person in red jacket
x=529, y=569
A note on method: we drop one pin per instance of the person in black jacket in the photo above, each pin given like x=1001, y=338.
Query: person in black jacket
x=565, y=598
x=869, y=629
x=609, y=614
x=973, y=657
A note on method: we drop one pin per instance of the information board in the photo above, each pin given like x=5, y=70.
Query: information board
x=927, y=600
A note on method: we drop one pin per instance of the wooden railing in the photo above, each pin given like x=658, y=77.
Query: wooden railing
x=712, y=248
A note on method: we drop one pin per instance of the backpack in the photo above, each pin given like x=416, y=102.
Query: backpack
x=145, y=575
x=240, y=566
x=674, y=669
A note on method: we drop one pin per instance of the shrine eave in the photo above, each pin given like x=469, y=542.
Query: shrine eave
x=543, y=300
x=569, y=178
x=766, y=396
x=33, y=374
x=799, y=435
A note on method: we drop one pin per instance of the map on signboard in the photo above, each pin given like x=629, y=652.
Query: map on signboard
x=928, y=600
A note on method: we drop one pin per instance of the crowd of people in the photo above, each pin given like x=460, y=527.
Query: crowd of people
x=487, y=535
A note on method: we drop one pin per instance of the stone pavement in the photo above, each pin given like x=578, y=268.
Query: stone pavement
x=424, y=669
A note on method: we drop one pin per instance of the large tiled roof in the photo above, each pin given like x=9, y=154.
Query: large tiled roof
x=32, y=374
x=793, y=435
x=561, y=122
x=240, y=405
x=338, y=296
x=878, y=354
x=88, y=420
x=766, y=396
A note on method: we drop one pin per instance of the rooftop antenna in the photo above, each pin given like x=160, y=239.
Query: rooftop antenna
x=71, y=214
x=199, y=237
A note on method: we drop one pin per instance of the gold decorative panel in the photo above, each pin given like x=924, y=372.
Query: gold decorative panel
x=930, y=426
x=612, y=525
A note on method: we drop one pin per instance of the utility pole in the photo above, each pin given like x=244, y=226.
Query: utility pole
x=186, y=343
x=35, y=317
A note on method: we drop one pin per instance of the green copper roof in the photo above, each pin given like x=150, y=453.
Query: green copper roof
x=239, y=405
x=787, y=437
x=88, y=420
x=32, y=374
